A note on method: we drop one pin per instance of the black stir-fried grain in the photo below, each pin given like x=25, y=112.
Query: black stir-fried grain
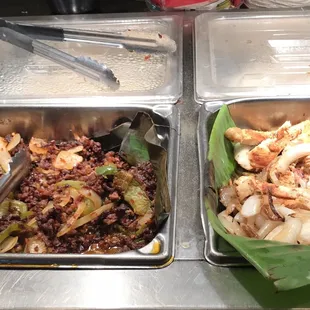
x=115, y=230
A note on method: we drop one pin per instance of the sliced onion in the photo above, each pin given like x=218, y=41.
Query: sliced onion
x=267, y=228
x=67, y=160
x=230, y=225
x=145, y=219
x=72, y=220
x=74, y=193
x=239, y=218
x=259, y=221
x=227, y=222
x=229, y=199
x=49, y=171
x=35, y=246
x=249, y=230
x=14, y=142
x=65, y=199
x=90, y=194
x=291, y=155
x=5, y=159
x=3, y=143
x=250, y=221
x=287, y=232
x=8, y=244
x=251, y=206
x=37, y=146
x=76, y=149
x=48, y=207
x=92, y=216
x=284, y=211
x=304, y=236
x=274, y=232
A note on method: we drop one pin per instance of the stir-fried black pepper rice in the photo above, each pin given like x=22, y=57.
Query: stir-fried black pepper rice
x=53, y=212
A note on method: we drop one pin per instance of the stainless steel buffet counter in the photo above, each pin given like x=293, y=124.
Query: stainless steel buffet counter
x=189, y=282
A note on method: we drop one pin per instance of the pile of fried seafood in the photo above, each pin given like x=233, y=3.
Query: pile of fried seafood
x=269, y=196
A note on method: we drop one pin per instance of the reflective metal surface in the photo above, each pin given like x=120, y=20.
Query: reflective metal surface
x=259, y=114
x=189, y=282
x=59, y=123
x=144, y=77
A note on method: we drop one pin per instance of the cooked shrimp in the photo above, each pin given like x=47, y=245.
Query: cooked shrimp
x=247, y=136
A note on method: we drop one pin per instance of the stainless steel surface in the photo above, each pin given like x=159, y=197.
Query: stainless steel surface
x=189, y=282
x=51, y=123
x=183, y=285
x=216, y=251
x=18, y=168
x=252, y=54
x=143, y=77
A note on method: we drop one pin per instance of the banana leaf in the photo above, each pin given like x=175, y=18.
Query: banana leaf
x=286, y=265
x=138, y=142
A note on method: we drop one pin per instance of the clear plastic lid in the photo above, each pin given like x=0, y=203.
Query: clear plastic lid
x=143, y=77
x=252, y=54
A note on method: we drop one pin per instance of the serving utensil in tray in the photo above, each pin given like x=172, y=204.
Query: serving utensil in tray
x=145, y=76
x=130, y=40
x=82, y=65
x=59, y=123
x=19, y=168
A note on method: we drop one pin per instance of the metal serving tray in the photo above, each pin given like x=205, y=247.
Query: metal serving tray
x=58, y=122
x=144, y=77
x=261, y=114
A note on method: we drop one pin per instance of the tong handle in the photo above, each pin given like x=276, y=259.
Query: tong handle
x=19, y=168
x=110, y=39
x=37, y=32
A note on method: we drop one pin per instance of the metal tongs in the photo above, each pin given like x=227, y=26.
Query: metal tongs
x=19, y=168
x=26, y=36
x=16, y=35
x=130, y=39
